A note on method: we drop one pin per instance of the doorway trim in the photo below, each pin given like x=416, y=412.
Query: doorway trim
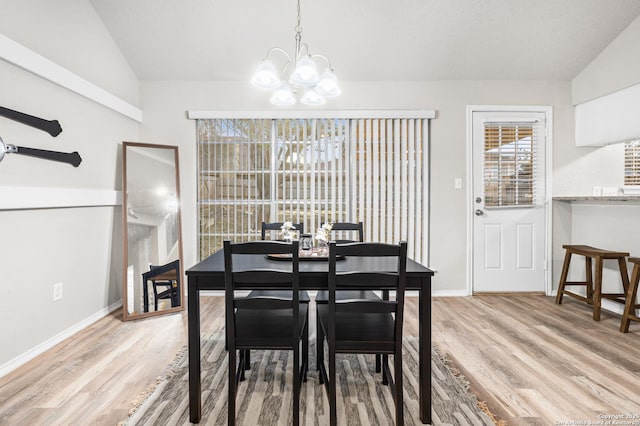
x=548, y=112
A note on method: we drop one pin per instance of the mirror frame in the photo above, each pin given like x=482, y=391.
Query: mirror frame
x=125, y=229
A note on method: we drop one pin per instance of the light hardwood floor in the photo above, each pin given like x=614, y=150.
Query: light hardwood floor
x=534, y=362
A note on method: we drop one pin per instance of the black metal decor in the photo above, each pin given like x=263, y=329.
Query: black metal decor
x=72, y=158
x=50, y=126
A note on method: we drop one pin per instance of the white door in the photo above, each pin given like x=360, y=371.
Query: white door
x=509, y=234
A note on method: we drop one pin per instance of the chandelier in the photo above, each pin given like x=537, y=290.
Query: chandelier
x=299, y=74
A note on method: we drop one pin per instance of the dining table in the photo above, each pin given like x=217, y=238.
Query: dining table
x=209, y=275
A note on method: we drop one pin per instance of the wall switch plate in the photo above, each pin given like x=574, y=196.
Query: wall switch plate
x=457, y=183
x=57, y=291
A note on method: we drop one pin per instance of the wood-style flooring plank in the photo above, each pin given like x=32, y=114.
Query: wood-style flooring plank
x=532, y=361
x=536, y=362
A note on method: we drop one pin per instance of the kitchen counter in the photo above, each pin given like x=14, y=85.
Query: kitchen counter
x=599, y=199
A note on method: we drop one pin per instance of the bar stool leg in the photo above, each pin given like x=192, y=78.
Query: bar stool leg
x=588, y=264
x=563, y=277
x=629, y=306
x=597, y=294
x=624, y=274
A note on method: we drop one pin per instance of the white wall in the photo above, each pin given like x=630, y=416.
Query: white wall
x=78, y=246
x=165, y=105
x=615, y=68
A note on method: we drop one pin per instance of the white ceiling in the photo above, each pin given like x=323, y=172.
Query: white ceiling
x=368, y=40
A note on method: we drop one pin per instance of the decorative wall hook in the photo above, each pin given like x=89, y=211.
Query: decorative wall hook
x=72, y=158
x=50, y=126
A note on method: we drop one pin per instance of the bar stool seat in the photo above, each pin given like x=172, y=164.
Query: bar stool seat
x=631, y=305
x=593, y=287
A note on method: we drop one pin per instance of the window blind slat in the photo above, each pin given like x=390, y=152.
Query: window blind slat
x=312, y=171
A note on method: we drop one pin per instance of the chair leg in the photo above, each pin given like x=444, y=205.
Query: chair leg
x=305, y=350
x=378, y=363
x=397, y=361
x=242, y=364
x=231, y=398
x=296, y=385
x=247, y=359
x=319, y=345
x=333, y=409
x=385, y=362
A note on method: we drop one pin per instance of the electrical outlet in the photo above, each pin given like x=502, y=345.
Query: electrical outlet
x=57, y=291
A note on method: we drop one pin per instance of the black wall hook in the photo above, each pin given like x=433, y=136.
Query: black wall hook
x=50, y=126
x=72, y=158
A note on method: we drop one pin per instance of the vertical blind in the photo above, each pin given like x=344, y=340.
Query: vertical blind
x=510, y=151
x=313, y=171
x=632, y=163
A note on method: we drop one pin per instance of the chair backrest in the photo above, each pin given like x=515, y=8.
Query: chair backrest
x=275, y=226
x=342, y=228
x=379, y=271
x=240, y=274
x=155, y=270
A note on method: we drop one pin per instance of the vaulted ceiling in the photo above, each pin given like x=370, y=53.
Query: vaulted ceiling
x=368, y=40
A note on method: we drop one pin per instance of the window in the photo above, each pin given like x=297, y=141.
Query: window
x=632, y=163
x=313, y=171
x=509, y=164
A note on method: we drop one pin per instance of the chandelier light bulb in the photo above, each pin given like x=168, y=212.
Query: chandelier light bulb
x=328, y=85
x=305, y=73
x=266, y=76
x=283, y=96
x=312, y=98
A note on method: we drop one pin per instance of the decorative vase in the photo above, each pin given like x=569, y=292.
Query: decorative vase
x=323, y=248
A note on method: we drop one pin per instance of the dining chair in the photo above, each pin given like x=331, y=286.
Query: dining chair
x=355, y=229
x=304, y=296
x=164, y=288
x=364, y=326
x=267, y=323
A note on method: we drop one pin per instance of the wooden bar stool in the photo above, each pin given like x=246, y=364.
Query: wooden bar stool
x=594, y=287
x=631, y=306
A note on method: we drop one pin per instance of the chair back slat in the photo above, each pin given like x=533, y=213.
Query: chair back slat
x=363, y=280
x=366, y=306
x=277, y=226
x=368, y=249
x=263, y=303
x=343, y=228
x=272, y=277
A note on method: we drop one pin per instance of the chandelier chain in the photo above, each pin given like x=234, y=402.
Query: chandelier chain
x=299, y=26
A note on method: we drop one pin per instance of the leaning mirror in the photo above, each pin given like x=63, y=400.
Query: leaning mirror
x=152, y=272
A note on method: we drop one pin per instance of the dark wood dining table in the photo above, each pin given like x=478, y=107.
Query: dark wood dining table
x=209, y=275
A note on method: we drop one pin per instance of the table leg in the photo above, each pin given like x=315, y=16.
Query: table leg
x=145, y=295
x=424, y=337
x=194, y=351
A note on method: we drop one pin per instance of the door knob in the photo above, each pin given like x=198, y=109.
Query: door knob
x=479, y=212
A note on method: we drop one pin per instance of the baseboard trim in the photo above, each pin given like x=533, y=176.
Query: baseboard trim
x=50, y=343
x=450, y=293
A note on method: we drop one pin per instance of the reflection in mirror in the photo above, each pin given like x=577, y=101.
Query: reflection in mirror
x=152, y=276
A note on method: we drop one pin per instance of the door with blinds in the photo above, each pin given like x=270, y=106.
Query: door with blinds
x=509, y=210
